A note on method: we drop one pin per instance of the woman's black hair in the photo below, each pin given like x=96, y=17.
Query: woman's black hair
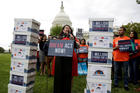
x=135, y=34
x=84, y=41
x=62, y=33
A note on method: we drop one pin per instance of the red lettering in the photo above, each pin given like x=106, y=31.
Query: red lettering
x=58, y=45
x=52, y=45
x=61, y=45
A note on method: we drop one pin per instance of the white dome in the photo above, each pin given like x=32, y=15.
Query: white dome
x=61, y=18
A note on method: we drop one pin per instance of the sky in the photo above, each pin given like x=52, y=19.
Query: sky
x=79, y=11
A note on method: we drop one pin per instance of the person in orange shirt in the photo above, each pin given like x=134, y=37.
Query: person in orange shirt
x=83, y=57
x=120, y=59
x=134, y=58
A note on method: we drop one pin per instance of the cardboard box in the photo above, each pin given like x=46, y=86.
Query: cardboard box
x=101, y=39
x=26, y=25
x=23, y=66
x=101, y=24
x=101, y=72
x=25, y=39
x=100, y=55
x=98, y=86
x=23, y=52
x=20, y=79
x=19, y=89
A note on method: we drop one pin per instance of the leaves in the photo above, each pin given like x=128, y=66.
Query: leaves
x=55, y=30
x=132, y=26
x=2, y=50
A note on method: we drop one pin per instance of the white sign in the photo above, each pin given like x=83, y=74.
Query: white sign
x=101, y=41
x=17, y=66
x=19, y=53
x=97, y=87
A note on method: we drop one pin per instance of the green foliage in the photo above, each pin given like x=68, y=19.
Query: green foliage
x=2, y=50
x=132, y=26
x=55, y=30
x=44, y=84
x=138, y=1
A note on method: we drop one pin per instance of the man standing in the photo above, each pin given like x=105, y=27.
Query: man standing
x=120, y=59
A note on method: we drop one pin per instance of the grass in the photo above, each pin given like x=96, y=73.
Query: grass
x=43, y=84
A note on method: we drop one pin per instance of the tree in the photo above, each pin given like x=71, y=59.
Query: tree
x=2, y=50
x=132, y=26
x=55, y=30
x=138, y=1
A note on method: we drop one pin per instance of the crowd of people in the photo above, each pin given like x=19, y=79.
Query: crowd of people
x=49, y=61
x=129, y=61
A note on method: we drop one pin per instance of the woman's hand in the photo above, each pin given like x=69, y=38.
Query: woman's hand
x=71, y=36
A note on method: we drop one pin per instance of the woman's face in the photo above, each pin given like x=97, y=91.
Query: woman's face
x=82, y=42
x=131, y=34
x=45, y=37
x=66, y=29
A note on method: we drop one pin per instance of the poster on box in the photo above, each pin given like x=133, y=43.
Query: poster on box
x=127, y=46
x=82, y=68
x=99, y=57
x=19, y=53
x=61, y=48
x=100, y=26
x=101, y=41
x=83, y=49
x=17, y=66
x=18, y=80
x=99, y=72
x=20, y=39
x=13, y=90
x=95, y=87
x=21, y=26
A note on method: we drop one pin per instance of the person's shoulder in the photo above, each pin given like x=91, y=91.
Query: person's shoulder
x=116, y=38
x=86, y=45
x=137, y=40
x=126, y=37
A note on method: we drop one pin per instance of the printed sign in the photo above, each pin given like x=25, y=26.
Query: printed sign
x=22, y=26
x=100, y=26
x=18, y=80
x=99, y=72
x=97, y=87
x=17, y=66
x=83, y=49
x=127, y=46
x=82, y=68
x=100, y=57
x=19, y=53
x=61, y=48
x=20, y=39
x=102, y=41
x=13, y=90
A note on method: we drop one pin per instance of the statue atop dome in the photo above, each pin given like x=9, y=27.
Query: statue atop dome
x=61, y=18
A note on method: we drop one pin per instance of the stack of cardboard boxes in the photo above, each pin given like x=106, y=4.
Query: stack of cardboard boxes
x=100, y=55
x=23, y=58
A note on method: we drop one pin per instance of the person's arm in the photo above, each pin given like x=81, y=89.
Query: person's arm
x=115, y=47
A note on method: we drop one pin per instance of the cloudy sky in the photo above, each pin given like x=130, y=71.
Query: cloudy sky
x=79, y=11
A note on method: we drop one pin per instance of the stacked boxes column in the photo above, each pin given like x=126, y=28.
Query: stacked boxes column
x=23, y=58
x=100, y=55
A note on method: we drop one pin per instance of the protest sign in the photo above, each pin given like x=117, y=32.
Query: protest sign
x=61, y=48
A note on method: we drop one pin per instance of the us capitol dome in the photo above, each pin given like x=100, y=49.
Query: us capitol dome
x=61, y=18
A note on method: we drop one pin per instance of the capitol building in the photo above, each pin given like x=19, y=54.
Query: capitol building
x=61, y=18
